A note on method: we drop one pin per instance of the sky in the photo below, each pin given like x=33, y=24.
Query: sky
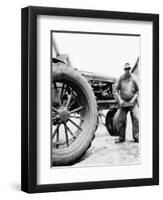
x=103, y=54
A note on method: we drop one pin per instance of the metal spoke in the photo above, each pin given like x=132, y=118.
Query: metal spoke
x=77, y=117
x=53, y=113
x=66, y=134
x=76, y=110
x=70, y=131
x=73, y=99
x=56, y=131
x=75, y=124
x=54, y=117
x=62, y=92
x=63, y=87
x=69, y=99
x=74, y=94
x=55, y=110
x=72, y=102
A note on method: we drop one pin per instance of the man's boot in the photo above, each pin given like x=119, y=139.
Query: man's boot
x=120, y=140
x=136, y=140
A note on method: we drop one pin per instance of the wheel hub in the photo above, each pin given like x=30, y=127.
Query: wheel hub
x=64, y=115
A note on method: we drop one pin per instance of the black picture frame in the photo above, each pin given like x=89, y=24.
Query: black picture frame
x=29, y=98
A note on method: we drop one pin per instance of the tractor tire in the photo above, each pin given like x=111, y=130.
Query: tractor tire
x=110, y=122
x=76, y=136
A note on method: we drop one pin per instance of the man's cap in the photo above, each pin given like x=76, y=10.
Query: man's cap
x=127, y=66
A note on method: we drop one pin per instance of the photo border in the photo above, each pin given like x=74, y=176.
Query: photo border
x=29, y=98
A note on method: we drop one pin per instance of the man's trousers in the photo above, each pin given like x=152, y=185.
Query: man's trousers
x=121, y=121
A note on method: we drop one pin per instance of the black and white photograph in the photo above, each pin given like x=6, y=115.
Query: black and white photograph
x=95, y=90
x=90, y=103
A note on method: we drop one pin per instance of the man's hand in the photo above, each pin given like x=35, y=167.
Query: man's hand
x=132, y=101
x=121, y=102
x=124, y=104
x=134, y=98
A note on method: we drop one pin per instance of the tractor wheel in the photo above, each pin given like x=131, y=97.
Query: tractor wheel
x=109, y=122
x=74, y=115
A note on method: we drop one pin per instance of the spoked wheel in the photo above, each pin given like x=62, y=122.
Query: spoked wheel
x=67, y=115
x=74, y=115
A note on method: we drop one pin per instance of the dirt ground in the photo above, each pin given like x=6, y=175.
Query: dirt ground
x=104, y=150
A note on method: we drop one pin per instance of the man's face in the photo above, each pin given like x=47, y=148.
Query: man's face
x=127, y=69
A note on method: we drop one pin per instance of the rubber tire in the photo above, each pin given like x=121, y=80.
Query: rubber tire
x=110, y=122
x=77, y=149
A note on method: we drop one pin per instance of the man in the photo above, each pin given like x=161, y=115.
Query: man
x=126, y=91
